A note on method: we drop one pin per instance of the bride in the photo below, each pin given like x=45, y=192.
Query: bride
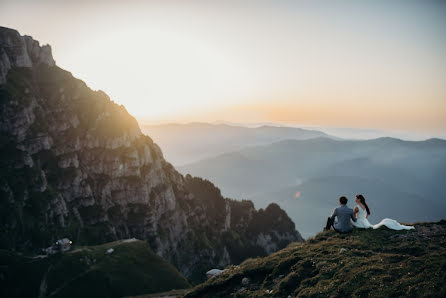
x=362, y=212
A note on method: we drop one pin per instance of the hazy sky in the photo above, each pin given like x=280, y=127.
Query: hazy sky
x=377, y=64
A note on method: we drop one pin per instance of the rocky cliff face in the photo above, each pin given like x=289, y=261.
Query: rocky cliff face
x=21, y=51
x=75, y=164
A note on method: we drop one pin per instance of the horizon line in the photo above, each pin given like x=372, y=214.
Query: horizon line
x=345, y=132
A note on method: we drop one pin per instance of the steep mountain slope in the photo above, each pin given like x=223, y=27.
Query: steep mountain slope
x=366, y=263
x=89, y=272
x=186, y=143
x=75, y=164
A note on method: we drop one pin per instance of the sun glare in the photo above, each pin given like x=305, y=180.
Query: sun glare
x=203, y=61
x=159, y=73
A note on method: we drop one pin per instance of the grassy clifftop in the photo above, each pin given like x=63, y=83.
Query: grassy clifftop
x=88, y=271
x=363, y=263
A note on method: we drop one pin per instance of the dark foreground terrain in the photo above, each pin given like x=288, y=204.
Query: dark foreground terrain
x=131, y=269
x=378, y=263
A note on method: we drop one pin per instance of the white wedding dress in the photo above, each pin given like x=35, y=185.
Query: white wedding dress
x=363, y=222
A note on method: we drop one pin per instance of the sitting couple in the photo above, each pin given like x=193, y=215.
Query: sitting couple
x=344, y=218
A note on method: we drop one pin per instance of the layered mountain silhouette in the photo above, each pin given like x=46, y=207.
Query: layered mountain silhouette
x=186, y=143
x=400, y=179
x=75, y=164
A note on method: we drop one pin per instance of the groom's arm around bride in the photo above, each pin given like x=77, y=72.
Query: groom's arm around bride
x=340, y=219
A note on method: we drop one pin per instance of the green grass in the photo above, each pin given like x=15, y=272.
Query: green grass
x=379, y=263
x=132, y=269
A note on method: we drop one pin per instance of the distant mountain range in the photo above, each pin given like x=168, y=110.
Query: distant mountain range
x=186, y=143
x=401, y=179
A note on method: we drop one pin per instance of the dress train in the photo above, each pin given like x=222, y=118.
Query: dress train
x=363, y=222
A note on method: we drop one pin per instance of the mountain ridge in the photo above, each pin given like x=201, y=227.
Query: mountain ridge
x=194, y=141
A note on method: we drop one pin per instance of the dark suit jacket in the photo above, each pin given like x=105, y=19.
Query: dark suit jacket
x=343, y=214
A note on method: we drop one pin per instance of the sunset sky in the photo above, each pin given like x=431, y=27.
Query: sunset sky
x=367, y=64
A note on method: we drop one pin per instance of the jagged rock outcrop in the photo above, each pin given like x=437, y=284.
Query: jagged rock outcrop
x=75, y=164
x=21, y=51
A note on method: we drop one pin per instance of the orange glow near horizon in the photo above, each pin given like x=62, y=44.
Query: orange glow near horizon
x=364, y=65
x=415, y=117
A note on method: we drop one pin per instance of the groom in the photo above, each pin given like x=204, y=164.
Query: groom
x=343, y=214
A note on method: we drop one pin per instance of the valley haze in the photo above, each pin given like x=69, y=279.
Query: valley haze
x=305, y=171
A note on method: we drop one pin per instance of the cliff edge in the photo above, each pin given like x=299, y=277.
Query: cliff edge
x=364, y=263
